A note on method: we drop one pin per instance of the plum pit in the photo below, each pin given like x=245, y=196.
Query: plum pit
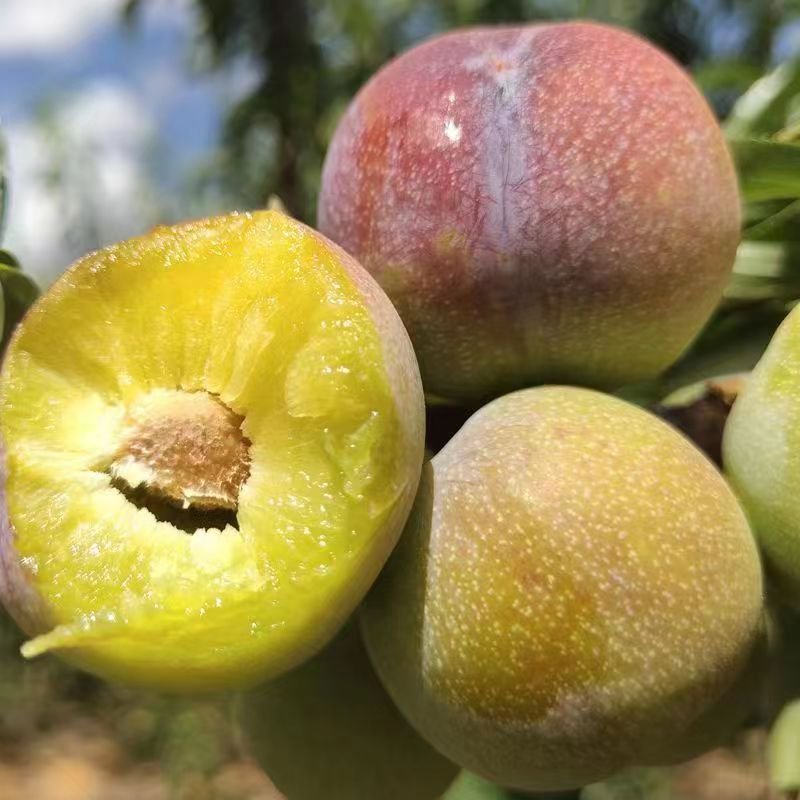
x=184, y=458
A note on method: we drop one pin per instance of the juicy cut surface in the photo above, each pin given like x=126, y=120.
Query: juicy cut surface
x=262, y=315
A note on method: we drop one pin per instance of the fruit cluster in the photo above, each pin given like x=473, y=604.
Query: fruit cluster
x=213, y=436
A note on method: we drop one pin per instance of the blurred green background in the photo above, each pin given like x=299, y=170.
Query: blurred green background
x=260, y=88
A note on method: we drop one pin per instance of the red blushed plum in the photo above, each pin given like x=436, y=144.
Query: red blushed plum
x=542, y=203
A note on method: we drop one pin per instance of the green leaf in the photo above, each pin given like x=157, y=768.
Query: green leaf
x=754, y=213
x=634, y=784
x=767, y=170
x=775, y=224
x=783, y=749
x=471, y=787
x=766, y=106
x=775, y=260
x=733, y=342
x=791, y=133
x=19, y=293
x=764, y=271
x=714, y=76
x=8, y=260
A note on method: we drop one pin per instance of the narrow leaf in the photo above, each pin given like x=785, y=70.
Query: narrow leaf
x=763, y=109
x=732, y=343
x=726, y=74
x=471, y=787
x=8, y=260
x=633, y=784
x=19, y=293
x=775, y=260
x=767, y=170
x=778, y=225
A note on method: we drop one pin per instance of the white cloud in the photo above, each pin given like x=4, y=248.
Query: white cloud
x=105, y=114
x=80, y=179
x=34, y=222
x=43, y=27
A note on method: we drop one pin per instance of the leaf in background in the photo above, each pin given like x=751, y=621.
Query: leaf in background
x=766, y=106
x=767, y=170
x=19, y=293
x=757, y=212
x=764, y=271
x=733, y=342
x=791, y=133
x=8, y=260
x=775, y=224
x=634, y=784
x=783, y=749
x=714, y=76
x=471, y=787
x=776, y=260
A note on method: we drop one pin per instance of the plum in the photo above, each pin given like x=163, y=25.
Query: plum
x=761, y=455
x=577, y=591
x=542, y=203
x=212, y=436
x=328, y=729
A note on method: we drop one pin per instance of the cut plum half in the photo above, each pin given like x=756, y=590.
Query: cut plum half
x=212, y=437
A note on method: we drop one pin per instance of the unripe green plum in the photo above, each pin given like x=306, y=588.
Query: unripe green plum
x=761, y=453
x=329, y=730
x=577, y=588
x=542, y=203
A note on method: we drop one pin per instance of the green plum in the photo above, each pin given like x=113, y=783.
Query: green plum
x=329, y=730
x=761, y=454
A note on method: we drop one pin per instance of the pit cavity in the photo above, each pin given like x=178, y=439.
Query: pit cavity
x=184, y=458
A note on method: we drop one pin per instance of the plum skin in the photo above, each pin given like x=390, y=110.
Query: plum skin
x=547, y=203
x=328, y=729
x=576, y=592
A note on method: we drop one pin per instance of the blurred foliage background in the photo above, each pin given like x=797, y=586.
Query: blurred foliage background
x=63, y=732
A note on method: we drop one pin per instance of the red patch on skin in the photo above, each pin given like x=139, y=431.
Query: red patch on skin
x=583, y=183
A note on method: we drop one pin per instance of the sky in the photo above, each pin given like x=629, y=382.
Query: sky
x=101, y=121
